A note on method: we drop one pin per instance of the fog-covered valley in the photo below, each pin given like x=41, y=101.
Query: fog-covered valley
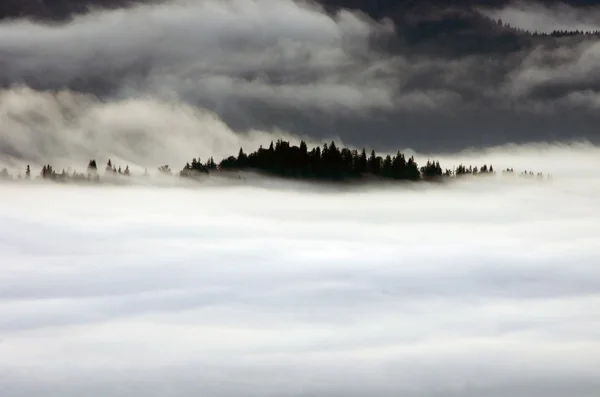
x=480, y=287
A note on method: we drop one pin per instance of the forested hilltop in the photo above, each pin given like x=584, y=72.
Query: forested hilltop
x=282, y=159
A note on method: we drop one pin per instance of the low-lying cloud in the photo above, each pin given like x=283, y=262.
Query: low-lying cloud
x=290, y=66
x=66, y=129
x=489, y=287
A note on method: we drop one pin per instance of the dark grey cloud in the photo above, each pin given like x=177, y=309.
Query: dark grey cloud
x=436, y=82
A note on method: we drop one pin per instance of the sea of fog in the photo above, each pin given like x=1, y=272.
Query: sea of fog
x=483, y=287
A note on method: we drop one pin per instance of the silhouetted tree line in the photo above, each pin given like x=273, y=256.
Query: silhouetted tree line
x=555, y=33
x=327, y=163
x=49, y=173
x=330, y=163
x=525, y=174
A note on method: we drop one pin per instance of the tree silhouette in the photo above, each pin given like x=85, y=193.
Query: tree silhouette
x=4, y=174
x=164, y=169
x=328, y=162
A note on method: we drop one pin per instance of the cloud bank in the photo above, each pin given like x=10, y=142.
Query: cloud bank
x=261, y=50
x=279, y=65
x=487, y=288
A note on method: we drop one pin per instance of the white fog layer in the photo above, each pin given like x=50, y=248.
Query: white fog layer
x=488, y=287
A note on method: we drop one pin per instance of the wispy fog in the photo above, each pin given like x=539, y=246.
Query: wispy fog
x=489, y=287
x=67, y=129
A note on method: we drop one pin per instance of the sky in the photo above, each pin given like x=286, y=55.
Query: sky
x=266, y=69
x=486, y=287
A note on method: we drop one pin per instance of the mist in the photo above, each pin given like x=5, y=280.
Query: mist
x=67, y=129
x=486, y=286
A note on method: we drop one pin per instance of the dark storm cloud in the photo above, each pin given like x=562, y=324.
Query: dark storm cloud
x=277, y=65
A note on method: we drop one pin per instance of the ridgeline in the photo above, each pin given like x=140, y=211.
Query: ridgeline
x=281, y=159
